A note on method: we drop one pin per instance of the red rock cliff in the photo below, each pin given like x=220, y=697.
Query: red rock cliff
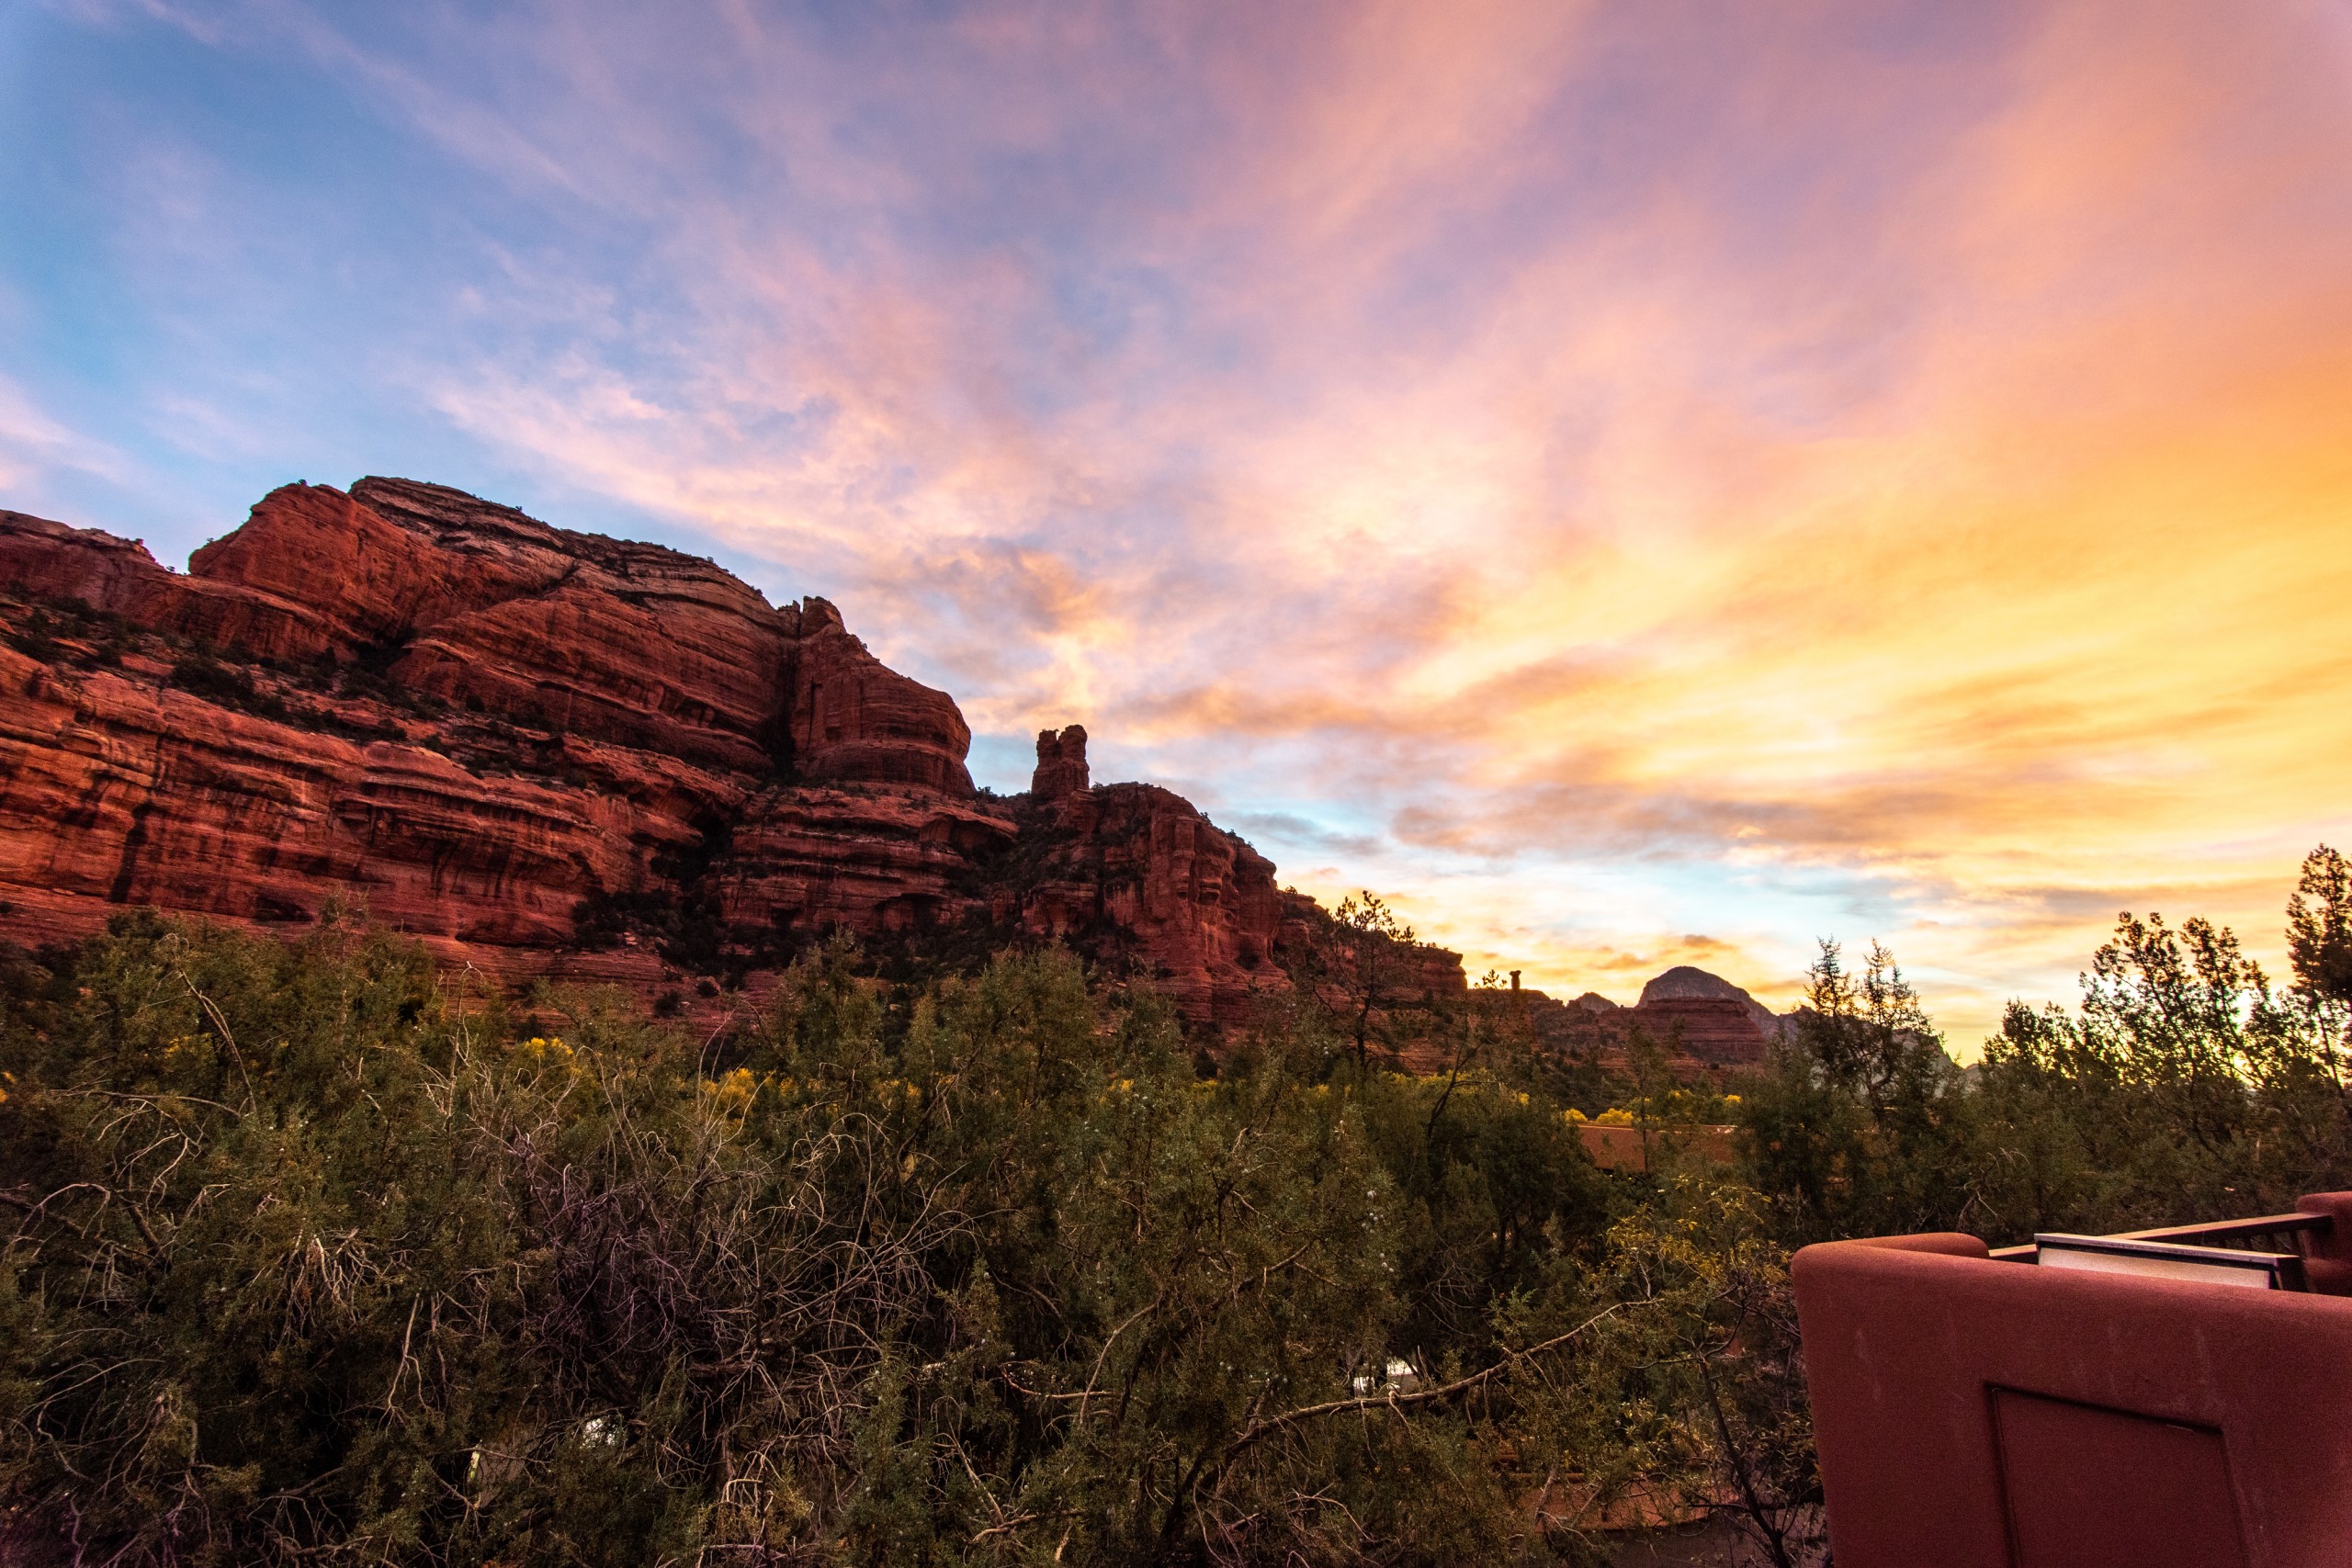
x=1061, y=763
x=1138, y=877
x=546, y=753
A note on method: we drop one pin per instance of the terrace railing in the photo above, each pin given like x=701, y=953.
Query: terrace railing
x=2269, y=1250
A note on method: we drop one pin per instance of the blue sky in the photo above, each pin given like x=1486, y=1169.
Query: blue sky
x=1636, y=483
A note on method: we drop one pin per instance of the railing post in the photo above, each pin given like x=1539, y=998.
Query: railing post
x=2327, y=1253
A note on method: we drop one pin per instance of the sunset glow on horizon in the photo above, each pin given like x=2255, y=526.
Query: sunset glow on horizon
x=1634, y=484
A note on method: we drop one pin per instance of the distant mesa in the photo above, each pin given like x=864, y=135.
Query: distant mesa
x=1686, y=983
x=1707, y=1019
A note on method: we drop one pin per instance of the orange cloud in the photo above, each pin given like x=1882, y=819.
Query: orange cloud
x=1599, y=474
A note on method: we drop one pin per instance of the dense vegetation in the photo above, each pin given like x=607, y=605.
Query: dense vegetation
x=312, y=1255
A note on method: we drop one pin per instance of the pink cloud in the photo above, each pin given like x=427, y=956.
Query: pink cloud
x=1833, y=459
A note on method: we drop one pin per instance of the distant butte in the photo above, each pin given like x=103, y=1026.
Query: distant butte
x=1701, y=1019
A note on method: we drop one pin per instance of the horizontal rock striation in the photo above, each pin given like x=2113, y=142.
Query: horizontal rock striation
x=1718, y=1031
x=549, y=753
x=1702, y=1023
x=1686, y=983
x=1134, y=876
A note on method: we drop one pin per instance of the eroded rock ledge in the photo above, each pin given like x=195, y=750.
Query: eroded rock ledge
x=553, y=754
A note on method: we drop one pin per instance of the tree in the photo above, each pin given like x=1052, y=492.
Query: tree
x=2319, y=947
x=1685, y=1396
x=2319, y=935
x=2187, y=1013
x=1376, y=969
x=1861, y=1124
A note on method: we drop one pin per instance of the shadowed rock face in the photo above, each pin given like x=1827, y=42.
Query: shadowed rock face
x=1138, y=876
x=546, y=753
x=1718, y=1031
x=1702, y=1020
x=1061, y=763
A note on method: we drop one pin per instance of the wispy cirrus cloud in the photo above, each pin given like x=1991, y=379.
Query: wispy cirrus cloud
x=31, y=442
x=1600, y=473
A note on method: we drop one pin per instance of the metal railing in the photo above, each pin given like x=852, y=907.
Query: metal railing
x=2264, y=1232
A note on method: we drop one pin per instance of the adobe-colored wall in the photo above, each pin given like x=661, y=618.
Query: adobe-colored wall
x=1622, y=1148
x=1975, y=1413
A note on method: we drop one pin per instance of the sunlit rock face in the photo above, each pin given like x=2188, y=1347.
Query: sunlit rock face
x=854, y=720
x=551, y=754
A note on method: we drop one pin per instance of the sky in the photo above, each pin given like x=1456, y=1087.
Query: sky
x=1634, y=482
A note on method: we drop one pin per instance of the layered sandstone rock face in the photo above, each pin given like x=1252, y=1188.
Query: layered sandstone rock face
x=468, y=721
x=1134, y=876
x=1701, y=1020
x=1717, y=1030
x=548, y=754
x=1685, y=983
